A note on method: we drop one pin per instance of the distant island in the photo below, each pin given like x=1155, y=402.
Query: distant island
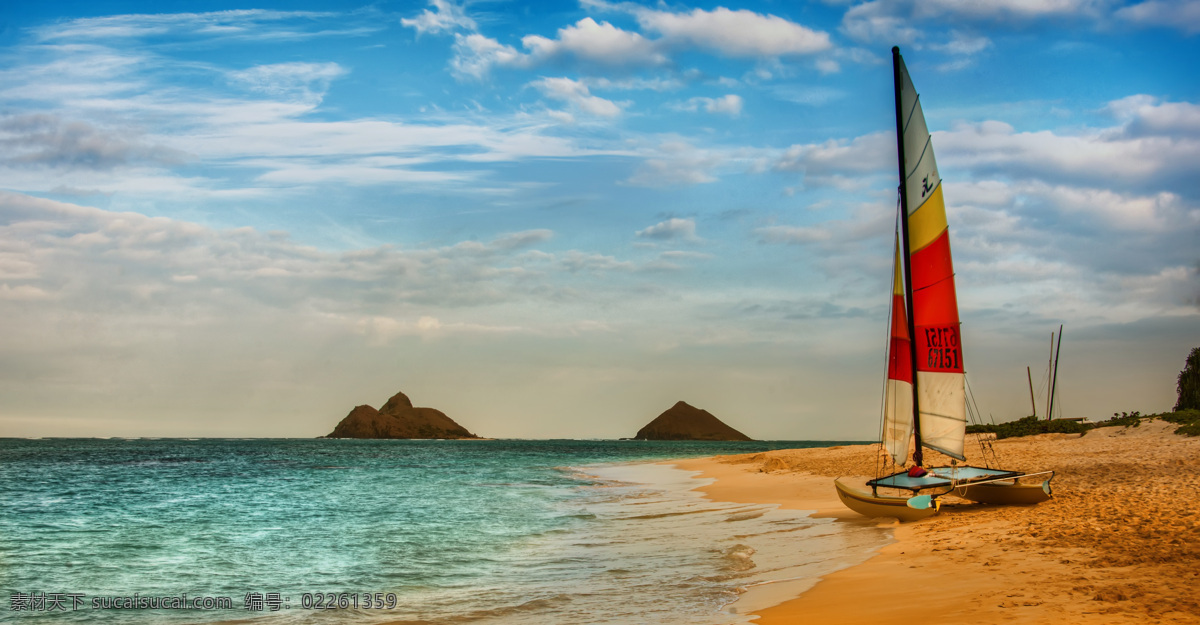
x=398, y=419
x=684, y=422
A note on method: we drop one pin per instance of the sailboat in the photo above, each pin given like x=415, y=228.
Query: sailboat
x=925, y=398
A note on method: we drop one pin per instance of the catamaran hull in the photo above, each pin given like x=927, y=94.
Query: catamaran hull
x=1006, y=493
x=871, y=505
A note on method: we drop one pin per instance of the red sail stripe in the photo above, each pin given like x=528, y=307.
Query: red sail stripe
x=932, y=263
x=935, y=302
x=900, y=361
x=936, y=305
x=899, y=356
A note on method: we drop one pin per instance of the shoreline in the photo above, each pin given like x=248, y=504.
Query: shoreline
x=733, y=481
x=1118, y=543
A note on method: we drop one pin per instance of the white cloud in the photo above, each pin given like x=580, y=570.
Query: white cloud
x=165, y=276
x=304, y=81
x=23, y=293
x=475, y=54
x=879, y=20
x=793, y=235
x=381, y=330
x=807, y=95
x=45, y=140
x=1010, y=9
x=871, y=153
x=586, y=41
x=577, y=94
x=561, y=117
x=304, y=172
x=964, y=44
x=685, y=255
x=243, y=24
x=828, y=66
x=1181, y=14
x=904, y=22
x=730, y=105
x=674, y=228
x=576, y=261
x=516, y=240
x=657, y=172
x=678, y=163
x=963, y=48
x=1121, y=212
x=1092, y=157
x=635, y=84
x=600, y=43
x=445, y=17
x=261, y=138
x=1145, y=115
x=739, y=33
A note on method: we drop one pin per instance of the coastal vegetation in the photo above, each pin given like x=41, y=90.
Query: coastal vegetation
x=1189, y=383
x=1028, y=426
x=1188, y=421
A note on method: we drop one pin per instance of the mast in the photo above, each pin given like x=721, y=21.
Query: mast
x=1054, y=374
x=1033, y=403
x=918, y=456
x=1049, y=375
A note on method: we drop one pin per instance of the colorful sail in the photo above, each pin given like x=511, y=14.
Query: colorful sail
x=897, y=406
x=940, y=396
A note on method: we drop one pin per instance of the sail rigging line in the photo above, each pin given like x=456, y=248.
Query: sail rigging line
x=883, y=407
x=985, y=445
x=928, y=144
x=933, y=284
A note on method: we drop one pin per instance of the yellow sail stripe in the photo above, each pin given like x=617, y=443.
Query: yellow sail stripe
x=927, y=222
x=897, y=281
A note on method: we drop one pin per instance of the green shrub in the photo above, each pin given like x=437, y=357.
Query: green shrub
x=1028, y=426
x=1181, y=416
x=1188, y=421
x=1191, y=429
x=1125, y=419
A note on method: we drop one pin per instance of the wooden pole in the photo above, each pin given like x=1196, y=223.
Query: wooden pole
x=1031, y=401
x=1049, y=374
x=1054, y=375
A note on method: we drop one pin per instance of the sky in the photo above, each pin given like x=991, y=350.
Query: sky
x=556, y=219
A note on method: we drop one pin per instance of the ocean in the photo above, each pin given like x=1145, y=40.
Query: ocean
x=139, y=531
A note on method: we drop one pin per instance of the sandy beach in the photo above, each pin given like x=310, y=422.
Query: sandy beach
x=1118, y=543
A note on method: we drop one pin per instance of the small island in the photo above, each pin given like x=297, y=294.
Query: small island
x=684, y=422
x=398, y=419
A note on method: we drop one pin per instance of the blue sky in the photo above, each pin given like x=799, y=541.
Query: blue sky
x=556, y=219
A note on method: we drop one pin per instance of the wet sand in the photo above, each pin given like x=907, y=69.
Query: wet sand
x=1118, y=543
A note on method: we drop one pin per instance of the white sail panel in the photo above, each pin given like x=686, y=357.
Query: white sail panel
x=943, y=411
x=920, y=166
x=897, y=420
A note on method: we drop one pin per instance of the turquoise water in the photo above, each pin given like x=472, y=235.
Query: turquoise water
x=445, y=531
